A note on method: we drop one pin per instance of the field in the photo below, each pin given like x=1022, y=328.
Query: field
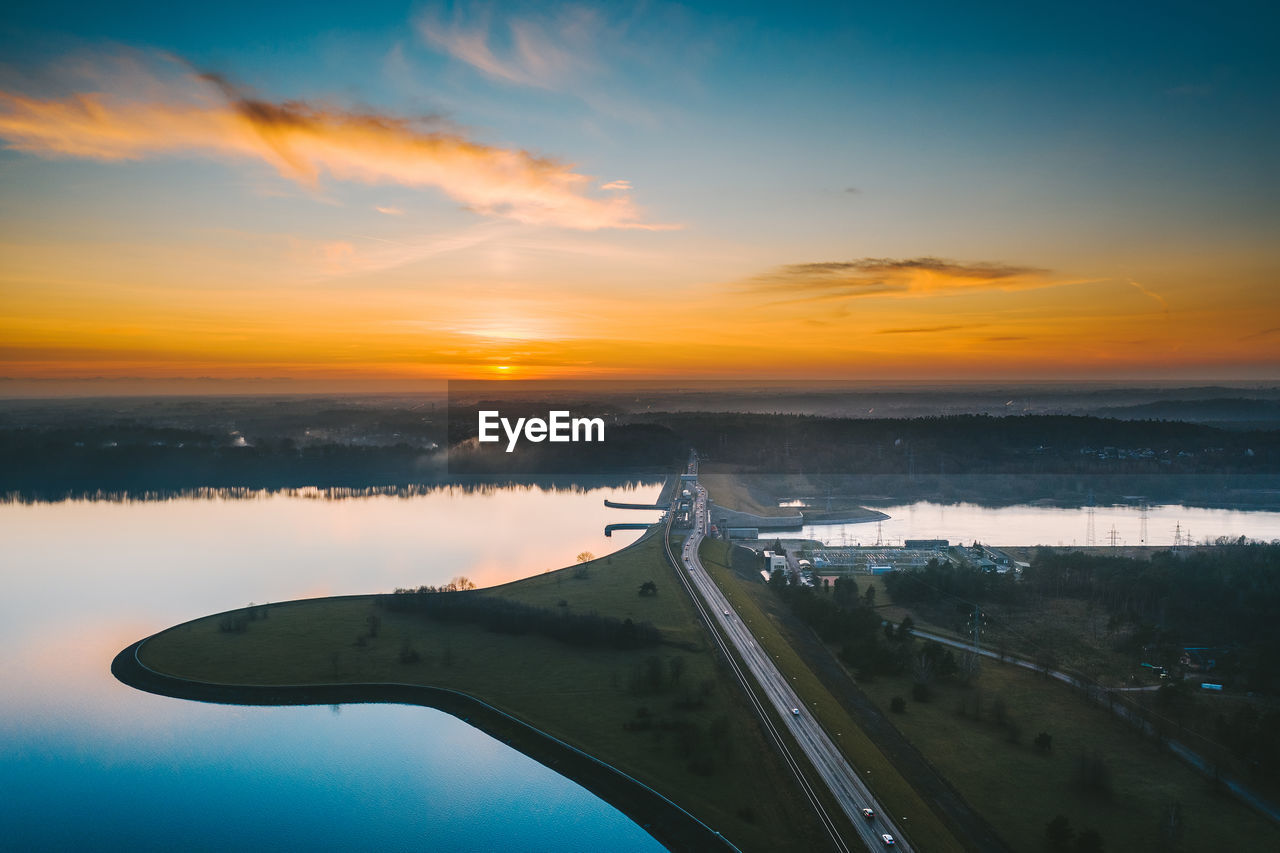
x=1019, y=788
x=734, y=491
x=690, y=732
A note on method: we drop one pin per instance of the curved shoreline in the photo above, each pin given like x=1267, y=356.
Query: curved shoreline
x=668, y=823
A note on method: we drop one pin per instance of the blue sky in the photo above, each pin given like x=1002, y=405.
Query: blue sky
x=1124, y=154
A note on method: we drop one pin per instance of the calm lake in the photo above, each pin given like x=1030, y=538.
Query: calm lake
x=1035, y=525
x=87, y=763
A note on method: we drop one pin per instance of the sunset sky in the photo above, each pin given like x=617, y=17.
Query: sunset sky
x=385, y=194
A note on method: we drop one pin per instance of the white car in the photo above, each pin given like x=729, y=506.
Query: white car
x=795, y=712
x=888, y=840
x=726, y=613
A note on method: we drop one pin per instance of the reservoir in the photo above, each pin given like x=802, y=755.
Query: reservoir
x=1039, y=525
x=88, y=763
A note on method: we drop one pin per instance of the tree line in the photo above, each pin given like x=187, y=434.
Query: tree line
x=504, y=616
x=843, y=618
x=937, y=581
x=55, y=461
x=1225, y=597
x=974, y=444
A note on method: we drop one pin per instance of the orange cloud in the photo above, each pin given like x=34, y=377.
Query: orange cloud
x=204, y=115
x=839, y=280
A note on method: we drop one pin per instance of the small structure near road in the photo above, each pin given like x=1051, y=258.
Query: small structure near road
x=990, y=559
x=774, y=561
x=926, y=544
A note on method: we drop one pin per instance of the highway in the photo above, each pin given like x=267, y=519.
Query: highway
x=843, y=780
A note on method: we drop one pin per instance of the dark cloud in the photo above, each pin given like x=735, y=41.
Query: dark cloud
x=879, y=266
x=300, y=114
x=836, y=280
x=157, y=112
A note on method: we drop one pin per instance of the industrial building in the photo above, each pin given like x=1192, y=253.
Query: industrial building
x=926, y=544
x=774, y=561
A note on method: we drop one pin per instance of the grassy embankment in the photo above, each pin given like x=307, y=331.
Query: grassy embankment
x=709, y=757
x=1019, y=788
x=734, y=491
x=759, y=495
x=925, y=829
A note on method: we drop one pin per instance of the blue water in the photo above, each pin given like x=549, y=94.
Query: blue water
x=87, y=763
x=222, y=778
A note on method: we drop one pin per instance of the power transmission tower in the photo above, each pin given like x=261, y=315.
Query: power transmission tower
x=1090, y=535
x=1142, y=520
x=1113, y=536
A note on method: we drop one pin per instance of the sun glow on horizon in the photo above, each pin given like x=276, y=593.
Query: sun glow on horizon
x=300, y=222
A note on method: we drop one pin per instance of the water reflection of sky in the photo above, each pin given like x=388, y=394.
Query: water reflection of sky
x=86, y=762
x=1032, y=525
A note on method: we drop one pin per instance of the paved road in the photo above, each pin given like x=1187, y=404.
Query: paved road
x=846, y=785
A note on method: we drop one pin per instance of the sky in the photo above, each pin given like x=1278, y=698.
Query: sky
x=386, y=195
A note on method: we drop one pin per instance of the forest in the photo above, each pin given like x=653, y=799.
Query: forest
x=167, y=446
x=1204, y=614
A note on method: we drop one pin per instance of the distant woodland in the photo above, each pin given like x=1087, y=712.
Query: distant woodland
x=167, y=446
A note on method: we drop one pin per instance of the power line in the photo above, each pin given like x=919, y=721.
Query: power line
x=1090, y=535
